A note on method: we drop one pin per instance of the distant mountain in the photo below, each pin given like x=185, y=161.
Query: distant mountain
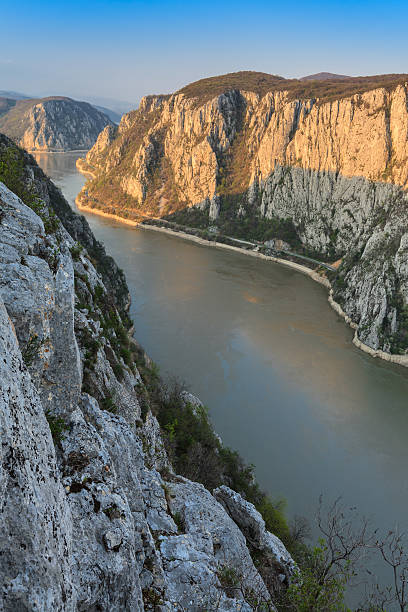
x=6, y=104
x=114, y=111
x=114, y=116
x=325, y=76
x=51, y=124
x=117, y=106
x=13, y=95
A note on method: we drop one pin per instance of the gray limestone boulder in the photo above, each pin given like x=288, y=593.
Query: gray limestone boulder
x=277, y=564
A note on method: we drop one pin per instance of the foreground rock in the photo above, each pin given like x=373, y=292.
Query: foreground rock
x=277, y=565
x=88, y=521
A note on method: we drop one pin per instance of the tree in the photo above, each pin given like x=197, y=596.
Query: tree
x=393, y=551
x=326, y=569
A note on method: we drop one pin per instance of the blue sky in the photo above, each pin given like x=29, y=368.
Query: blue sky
x=124, y=49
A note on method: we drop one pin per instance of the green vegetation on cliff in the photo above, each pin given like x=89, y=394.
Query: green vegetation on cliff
x=197, y=452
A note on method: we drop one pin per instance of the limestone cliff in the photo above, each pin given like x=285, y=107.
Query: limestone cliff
x=51, y=124
x=93, y=515
x=323, y=165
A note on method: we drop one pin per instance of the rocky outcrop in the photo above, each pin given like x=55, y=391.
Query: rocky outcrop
x=53, y=124
x=93, y=515
x=94, y=156
x=327, y=174
x=277, y=565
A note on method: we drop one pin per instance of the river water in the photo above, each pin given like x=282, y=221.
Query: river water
x=260, y=345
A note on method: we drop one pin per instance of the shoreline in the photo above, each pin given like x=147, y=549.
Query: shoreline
x=401, y=360
x=31, y=151
x=80, y=166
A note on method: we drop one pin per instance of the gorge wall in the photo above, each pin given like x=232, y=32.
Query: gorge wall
x=327, y=173
x=51, y=124
x=93, y=515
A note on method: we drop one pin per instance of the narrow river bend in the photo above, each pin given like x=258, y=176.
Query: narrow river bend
x=260, y=345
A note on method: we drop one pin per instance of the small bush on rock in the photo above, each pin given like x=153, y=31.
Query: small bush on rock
x=31, y=349
x=57, y=426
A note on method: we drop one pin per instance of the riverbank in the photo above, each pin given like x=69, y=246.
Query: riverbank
x=401, y=360
x=212, y=243
x=100, y=213
x=31, y=151
x=83, y=168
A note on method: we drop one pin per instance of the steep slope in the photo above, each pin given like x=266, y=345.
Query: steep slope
x=51, y=124
x=323, y=167
x=93, y=515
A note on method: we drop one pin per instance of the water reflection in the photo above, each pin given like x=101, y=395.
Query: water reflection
x=57, y=165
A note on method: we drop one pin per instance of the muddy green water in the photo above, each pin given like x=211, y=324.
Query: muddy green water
x=260, y=345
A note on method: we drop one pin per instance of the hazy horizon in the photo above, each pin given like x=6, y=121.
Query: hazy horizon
x=125, y=49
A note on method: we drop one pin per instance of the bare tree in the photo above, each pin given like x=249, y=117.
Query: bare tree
x=326, y=569
x=348, y=538
x=299, y=528
x=393, y=551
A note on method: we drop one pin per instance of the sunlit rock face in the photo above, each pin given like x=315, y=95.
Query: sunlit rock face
x=93, y=515
x=194, y=146
x=336, y=169
x=53, y=124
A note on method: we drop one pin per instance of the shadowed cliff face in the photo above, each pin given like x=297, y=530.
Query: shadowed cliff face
x=337, y=170
x=53, y=124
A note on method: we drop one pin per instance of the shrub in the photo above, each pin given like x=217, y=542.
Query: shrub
x=76, y=251
x=57, y=426
x=118, y=370
x=31, y=349
x=309, y=591
x=229, y=579
x=108, y=403
x=178, y=519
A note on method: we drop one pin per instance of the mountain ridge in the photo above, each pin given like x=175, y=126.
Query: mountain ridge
x=262, y=83
x=53, y=123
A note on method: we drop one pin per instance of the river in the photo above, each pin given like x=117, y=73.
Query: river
x=260, y=345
